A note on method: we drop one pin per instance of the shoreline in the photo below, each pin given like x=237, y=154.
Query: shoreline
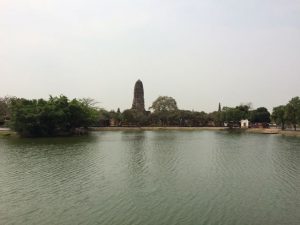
x=269, y=131
x=274, y=131
x=246, y=130
x=156, y=128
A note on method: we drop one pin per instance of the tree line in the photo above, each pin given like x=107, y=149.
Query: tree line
x=57, y=116
x=288, y=114
x=62, y=116
x=164, y=112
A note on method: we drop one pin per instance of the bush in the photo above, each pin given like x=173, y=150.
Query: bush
x=54, y=117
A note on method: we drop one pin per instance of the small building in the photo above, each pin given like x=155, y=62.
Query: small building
x=244, y=123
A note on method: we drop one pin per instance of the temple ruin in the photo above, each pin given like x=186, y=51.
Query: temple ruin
x=138, y=99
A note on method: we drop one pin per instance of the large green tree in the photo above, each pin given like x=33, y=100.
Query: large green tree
x=260, y=115
x=235, y=114
x=278, y=115
x=164, y=103
x=244, y=110
x=53, y=117
x=232, y=114
x=165, y=111
x=292, y=112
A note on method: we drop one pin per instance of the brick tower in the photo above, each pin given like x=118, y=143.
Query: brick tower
x=138, y=99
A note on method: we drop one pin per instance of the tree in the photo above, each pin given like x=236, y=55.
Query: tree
x=54, y=117
x=164, y=103
x=5, y=112
x=278, y=115
x=165, y=111
x=103, y=118
x=232, y=114
x=214, y=119
x=199, y=119
x=244, y=110
x=260, y=115
x=292, y=112
x=134, y=117
x=89, y=102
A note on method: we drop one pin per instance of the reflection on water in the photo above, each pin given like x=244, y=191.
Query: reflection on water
x=151, y=177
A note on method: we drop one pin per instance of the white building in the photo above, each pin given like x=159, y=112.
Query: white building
x=244, y=123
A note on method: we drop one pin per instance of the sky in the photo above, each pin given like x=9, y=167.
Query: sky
x=200, y=52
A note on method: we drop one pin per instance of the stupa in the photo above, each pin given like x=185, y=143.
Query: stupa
x=138, y=98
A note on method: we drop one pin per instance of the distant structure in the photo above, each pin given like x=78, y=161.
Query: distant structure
x=244, y=123
x=138, y=99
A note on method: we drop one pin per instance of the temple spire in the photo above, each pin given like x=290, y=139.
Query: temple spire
x=138, y=98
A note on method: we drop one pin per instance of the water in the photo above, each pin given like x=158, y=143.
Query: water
x=157, y=178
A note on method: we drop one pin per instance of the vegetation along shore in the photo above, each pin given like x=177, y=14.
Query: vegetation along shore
x=60, y=116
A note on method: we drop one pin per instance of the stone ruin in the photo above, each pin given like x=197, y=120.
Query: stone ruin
x=138, y=99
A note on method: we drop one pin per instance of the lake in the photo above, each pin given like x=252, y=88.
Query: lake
x=151, y=178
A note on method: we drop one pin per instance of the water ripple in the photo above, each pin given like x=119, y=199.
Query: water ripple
x=151, y=178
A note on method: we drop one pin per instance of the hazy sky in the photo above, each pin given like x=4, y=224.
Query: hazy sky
x=201, y=52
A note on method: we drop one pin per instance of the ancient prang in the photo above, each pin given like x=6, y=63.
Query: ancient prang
x=138, y=99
